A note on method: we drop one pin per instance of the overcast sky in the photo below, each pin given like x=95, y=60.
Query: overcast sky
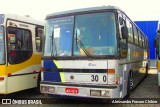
x=38, y=9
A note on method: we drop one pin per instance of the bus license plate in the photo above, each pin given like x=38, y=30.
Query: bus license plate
x=71, y=90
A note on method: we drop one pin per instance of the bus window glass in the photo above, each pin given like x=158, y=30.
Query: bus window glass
x=97, y=33
x=59, y=36
x=145, y=41
x=158, y=47
x=19, y=45
x=1, y=45
x=1, y=18
x=39, y=33
x=135, y=35
x=130, y=30
x=140, y=39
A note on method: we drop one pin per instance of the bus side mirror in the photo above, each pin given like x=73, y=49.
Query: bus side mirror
x=124, y=31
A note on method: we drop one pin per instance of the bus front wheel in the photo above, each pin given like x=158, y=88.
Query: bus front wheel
x=129, y=83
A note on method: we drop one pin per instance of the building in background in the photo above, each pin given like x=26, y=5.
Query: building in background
x=149, y=28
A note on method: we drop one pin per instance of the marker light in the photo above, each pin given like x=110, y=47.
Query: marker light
x=9, y=74
x=42, y=69
x=117, y=80
x=1, y=78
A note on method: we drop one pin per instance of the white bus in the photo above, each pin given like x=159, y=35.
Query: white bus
x=94, y=53
x=157, y=47
x=20, y=52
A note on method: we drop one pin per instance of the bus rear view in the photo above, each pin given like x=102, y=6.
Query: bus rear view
x=85, y=54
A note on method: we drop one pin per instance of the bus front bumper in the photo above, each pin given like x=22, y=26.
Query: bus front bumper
x=81, y=90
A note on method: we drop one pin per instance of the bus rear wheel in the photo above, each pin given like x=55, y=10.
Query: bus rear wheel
x=37, y=89
x=147, y=68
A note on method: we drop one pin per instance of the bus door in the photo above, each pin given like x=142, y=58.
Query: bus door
x=20, y=61
x=38, y=48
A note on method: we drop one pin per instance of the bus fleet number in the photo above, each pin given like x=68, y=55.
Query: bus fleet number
x=95, y=78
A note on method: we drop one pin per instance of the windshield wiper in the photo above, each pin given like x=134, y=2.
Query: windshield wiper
x=79, y=42
x=53, y=44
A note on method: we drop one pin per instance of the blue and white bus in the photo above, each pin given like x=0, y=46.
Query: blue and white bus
x=93, y=52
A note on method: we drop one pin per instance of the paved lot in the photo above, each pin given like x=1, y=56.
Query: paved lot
x=148, y=88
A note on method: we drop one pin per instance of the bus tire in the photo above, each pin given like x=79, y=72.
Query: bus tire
x=129, y=83
x=147, y=68
x=37, y=89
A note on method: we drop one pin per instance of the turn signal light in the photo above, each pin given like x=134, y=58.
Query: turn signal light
x=111, y=71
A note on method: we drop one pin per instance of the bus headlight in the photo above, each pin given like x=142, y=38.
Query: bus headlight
x=95, y=92
x=111, y=79
x=44, y=89
x=51, y=89
x=105, y=93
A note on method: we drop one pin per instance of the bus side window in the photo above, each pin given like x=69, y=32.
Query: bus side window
x=135, y=35
x=140, y=39
x=123, y=28
x=123, y=36
x=19, y=45
x=142, y=36
x=130, y=30
x=39, y=34
x=11, y=38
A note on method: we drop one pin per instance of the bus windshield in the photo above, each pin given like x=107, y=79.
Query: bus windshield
x=1, y=18
x=158, y=46
x=1, y=45
x=93, y=34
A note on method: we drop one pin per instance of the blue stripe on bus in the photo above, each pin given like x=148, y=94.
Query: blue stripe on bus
x=49, y=64
x=52, y=76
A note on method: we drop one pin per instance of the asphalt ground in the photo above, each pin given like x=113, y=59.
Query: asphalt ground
x=147, y=89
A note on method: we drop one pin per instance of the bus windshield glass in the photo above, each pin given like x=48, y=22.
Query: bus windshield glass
x=1, y=45
x=1, y=18
x=158, y=46
x=82, y=35
x=59, y=33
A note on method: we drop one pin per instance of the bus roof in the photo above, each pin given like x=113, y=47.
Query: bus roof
x=74, y=11
x=26, y=18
